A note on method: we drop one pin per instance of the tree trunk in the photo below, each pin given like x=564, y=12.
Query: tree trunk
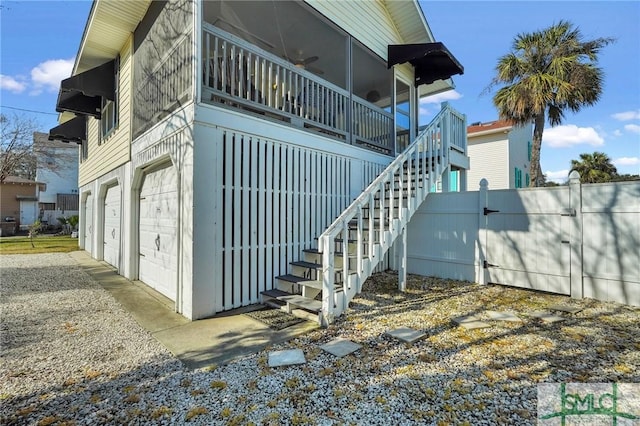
x=534, y=167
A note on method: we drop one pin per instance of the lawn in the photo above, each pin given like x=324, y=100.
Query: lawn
x=43, y=244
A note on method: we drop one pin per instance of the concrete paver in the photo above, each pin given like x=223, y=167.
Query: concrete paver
x=405, y=334
x=503, y=316
x=286, y=358
x=340, y=347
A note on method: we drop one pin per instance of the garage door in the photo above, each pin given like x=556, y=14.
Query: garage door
x=111, y=230
x=88, y=223
x=157, y=232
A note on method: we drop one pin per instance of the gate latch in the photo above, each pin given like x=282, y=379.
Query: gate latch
x=487, y=211
x=486, y=265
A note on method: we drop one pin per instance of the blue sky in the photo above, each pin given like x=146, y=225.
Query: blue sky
x=40, y=40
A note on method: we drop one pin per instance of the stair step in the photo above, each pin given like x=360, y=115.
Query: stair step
x=318, y=252
x=304, y=264
x=290, y=278
x=275, y=293
x=302, y=302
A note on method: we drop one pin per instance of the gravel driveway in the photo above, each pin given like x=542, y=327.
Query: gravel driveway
x=71, y=355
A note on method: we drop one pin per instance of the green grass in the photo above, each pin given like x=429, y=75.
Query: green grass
x=43, y=244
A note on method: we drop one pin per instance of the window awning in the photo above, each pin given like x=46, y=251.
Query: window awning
x=432, y=61
x=74, y=130
x=83, y=93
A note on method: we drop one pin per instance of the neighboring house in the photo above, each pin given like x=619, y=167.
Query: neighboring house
x=18, y=203
x=219, y=139
x=57, y=167
x=500, y=153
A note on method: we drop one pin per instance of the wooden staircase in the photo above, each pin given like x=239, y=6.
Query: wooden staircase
x=356, y=242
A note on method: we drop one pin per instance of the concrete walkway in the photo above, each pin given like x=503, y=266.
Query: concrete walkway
x=197, y=344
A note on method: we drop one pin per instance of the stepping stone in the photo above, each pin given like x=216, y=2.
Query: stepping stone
x=547, y=317
x=503, y=316
x=405, y=334
x=470, y=322
x=340, y=347
x=287, y=357
x=565, y=308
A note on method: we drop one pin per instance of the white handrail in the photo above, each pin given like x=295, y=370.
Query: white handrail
x=422, y=161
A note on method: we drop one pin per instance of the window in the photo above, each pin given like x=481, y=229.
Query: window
x=47, y=206
x=109, y=120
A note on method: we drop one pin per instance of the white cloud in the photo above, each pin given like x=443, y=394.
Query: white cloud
x=617, y=132
x=633, y=128
x=48, y=74
x=559, y=176
x=627, y=161
x=450, y=95
x=570, y=135
x=627, y=115
x=11, y=84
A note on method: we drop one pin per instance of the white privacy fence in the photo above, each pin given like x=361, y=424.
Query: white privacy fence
x=578, y=240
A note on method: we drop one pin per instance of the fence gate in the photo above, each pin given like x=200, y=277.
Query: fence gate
x=528, y=241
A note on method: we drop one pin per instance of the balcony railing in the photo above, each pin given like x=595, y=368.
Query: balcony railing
x=239, y=74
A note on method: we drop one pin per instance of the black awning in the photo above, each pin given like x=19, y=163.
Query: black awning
x=432, y=61
x=74, y=130
x=83, y=93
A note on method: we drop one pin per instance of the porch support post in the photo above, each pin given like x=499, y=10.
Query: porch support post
x=402, y=257
x=576, y=274
x=481, y=240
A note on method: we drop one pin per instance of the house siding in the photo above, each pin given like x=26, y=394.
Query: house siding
x=488, y=159
x=113, y=151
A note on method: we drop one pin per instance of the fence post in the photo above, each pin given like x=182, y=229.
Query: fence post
x=402, y=269
x=481, y=241
x=575, y=201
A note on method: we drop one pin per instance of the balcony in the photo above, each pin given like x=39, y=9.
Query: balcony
x=237, y=74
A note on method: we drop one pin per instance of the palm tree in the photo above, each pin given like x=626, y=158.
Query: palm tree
x=546, y=73
x=594, y=168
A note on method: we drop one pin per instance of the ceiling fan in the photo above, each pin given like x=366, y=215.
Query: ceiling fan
x=304, y=63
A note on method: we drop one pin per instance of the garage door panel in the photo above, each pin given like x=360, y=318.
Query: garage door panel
x=157, y=231
x=111, y=231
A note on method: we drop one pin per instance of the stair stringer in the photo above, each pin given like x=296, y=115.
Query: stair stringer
x=411, y=175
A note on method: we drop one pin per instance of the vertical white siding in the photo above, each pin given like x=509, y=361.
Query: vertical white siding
x=276, y=199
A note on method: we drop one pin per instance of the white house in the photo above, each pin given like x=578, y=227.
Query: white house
x=57, y=167
x=220, y=141
x=500, y=153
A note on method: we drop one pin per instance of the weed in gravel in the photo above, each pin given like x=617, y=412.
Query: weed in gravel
x=225, y=412
x=292, y=383
x=196, y=411
x=49, y=420
x=185, y=383
x=92, y=374
x=132, y=398
x=163, y=410
x=218, y=384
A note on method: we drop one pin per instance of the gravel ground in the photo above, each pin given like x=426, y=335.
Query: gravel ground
x=71, y=355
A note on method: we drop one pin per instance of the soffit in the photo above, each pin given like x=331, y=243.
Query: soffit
x=108, y=28
x=409, y=21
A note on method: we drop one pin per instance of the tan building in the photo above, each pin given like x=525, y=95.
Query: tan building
x=18, y=203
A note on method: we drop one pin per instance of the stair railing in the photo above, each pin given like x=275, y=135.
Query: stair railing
x=411, y=175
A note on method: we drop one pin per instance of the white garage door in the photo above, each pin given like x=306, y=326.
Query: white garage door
x=111, y=231
x=88, y=223
x=158, y=227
